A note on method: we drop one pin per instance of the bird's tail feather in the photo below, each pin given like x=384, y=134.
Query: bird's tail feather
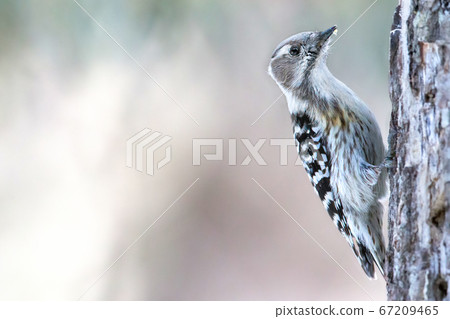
x=369, y=246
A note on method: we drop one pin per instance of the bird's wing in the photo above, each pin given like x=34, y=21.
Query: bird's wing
x=312, y=149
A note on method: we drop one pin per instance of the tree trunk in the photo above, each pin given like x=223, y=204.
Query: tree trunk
x=419, y=216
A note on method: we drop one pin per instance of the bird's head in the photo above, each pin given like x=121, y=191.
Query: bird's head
x=298, y=56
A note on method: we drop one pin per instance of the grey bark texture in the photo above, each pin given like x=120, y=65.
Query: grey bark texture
x=418, y=263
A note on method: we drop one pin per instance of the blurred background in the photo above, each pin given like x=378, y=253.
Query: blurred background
x=71, y=97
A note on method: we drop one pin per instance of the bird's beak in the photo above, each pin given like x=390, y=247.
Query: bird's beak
x=325, y=35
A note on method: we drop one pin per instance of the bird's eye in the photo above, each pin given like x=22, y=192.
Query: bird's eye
x=294, y=50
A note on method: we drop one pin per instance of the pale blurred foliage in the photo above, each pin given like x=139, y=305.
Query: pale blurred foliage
x=70, y=98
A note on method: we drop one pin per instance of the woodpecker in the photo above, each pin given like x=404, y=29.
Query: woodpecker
x=339, y=143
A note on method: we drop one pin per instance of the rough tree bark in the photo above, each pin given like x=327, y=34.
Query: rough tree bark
x=419, y=215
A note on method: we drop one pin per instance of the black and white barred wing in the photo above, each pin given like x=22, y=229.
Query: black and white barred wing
x=313, y=152
x=312, y=149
